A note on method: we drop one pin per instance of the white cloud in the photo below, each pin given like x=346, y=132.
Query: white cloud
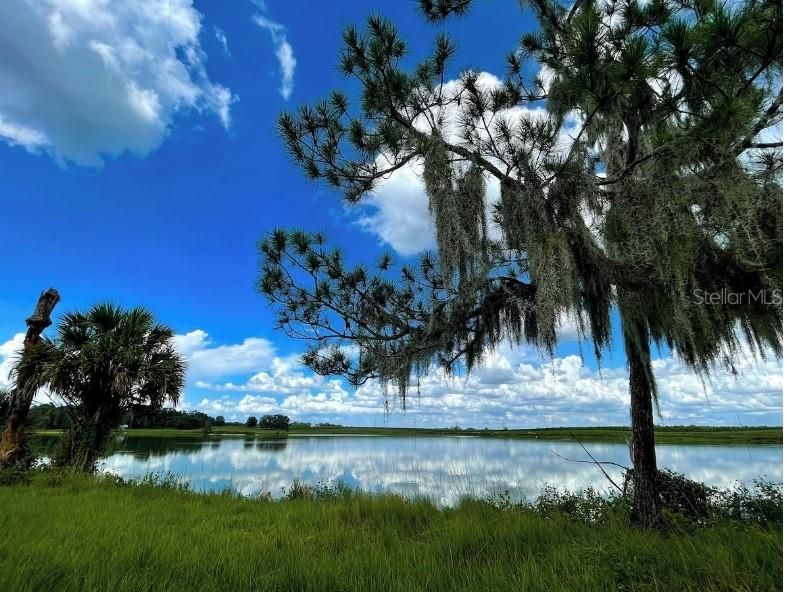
x=8, y=353
x=192, y=341
x=206, y=360
x=398, y=210
x=221, y=37
x=398, y=213
x=284, y=52
x=89, y=79
x=19, y=135
x=512, y=388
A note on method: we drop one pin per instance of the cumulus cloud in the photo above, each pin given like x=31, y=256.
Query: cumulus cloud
x=513, y=388
x=8, y=353
x=398, y=210
x=206, y=360
x=398, y=213
x=284, y=52
x=91, y=79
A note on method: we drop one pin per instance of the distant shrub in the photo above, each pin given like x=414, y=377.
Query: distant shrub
x=251, y=422
x=275, y=422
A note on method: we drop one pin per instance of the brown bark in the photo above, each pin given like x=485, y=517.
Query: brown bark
x=12, y=440
x=646, y=510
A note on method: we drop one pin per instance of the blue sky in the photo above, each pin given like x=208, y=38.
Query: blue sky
x=140, y=164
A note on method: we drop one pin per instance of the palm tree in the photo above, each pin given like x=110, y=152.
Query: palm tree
x=5, y=400
x=101, y=363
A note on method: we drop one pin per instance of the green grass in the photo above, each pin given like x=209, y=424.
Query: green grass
x=230, y=430
x=84, y=535
x=664, y=435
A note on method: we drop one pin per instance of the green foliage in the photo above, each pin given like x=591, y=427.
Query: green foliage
x=16, y=474
x=251, y=422
x=49, y=417
x=219, y=421
x=275, y=422
x=5, y=402
x=103, y=363
x=761, y=504
x=632, y=176
x=684, y=496
x=144, y=416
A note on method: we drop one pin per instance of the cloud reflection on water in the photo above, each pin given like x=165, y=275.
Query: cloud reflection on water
x=442, y=468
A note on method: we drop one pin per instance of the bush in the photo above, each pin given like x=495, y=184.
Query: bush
x=275, y=422
x=219, y=421
x=678, y=495
x=686, y=503
x=681, y=495
x=251, y=422
x=15, y=475
x=587, y=507
x=761, y=504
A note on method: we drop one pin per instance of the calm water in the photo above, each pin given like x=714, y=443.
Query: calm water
x=444, y=468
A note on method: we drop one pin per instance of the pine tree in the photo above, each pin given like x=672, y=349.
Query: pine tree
x=626, y=142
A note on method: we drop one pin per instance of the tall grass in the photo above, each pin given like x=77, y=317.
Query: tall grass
x=66, y=532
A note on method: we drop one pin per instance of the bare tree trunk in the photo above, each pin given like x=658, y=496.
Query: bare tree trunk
x=646, y=511
x=12, y=440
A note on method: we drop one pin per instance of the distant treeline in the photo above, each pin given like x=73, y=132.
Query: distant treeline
x=47, y=416
x=170, y=418
x=58, y=417
x=269, y=422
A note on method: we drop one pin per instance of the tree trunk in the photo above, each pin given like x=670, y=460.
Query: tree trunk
x=646, y=511
x=12, y=440
x=86, y=439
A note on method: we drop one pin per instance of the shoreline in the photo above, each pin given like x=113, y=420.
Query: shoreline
x=708, y=435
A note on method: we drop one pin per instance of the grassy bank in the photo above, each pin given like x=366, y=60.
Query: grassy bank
x=79, y=534
x=664, y=435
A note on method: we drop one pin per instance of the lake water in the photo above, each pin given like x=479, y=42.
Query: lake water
x=443, y=468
